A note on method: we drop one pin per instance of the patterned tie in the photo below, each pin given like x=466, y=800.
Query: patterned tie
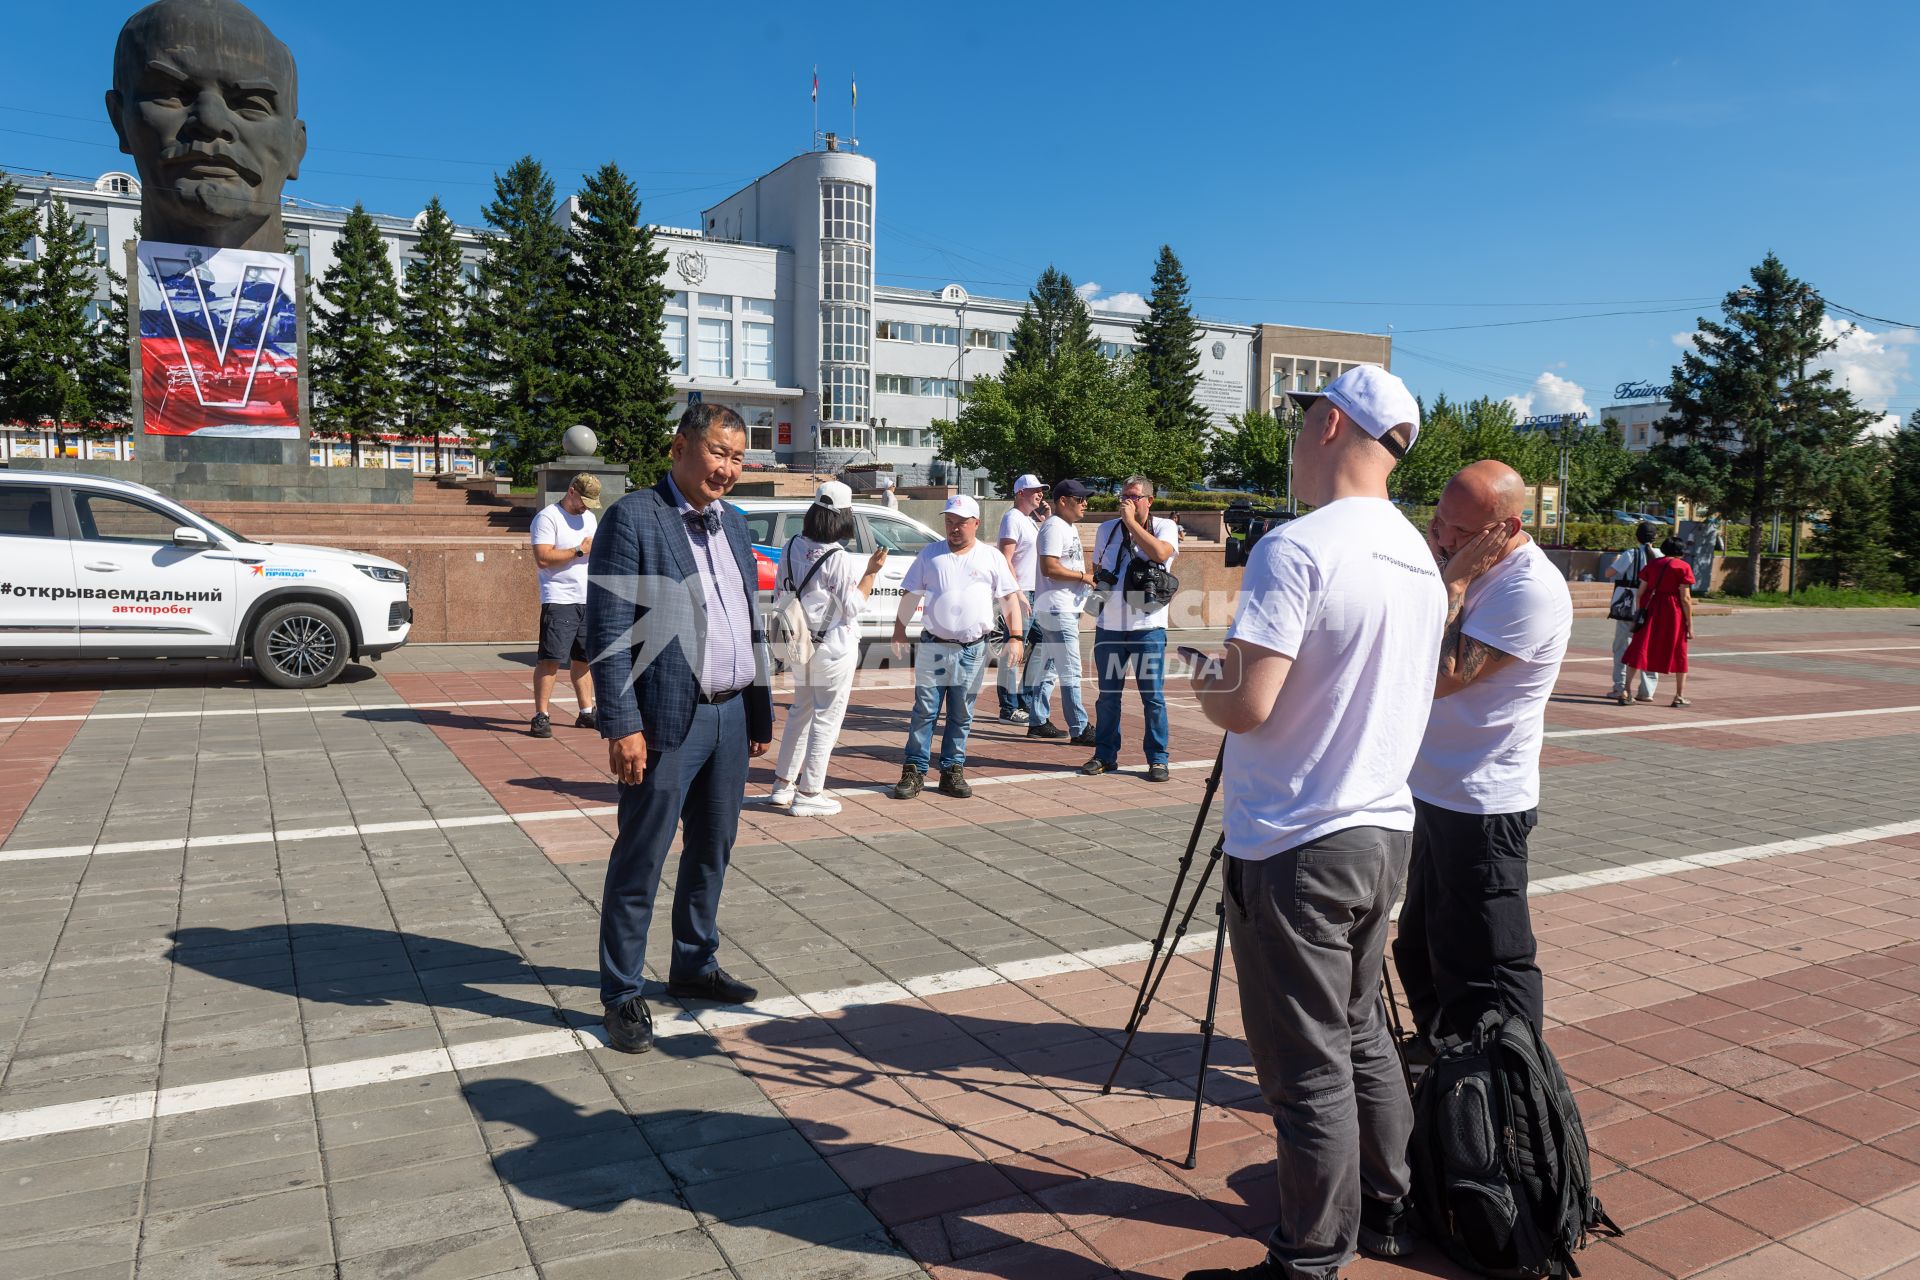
x=707, y=521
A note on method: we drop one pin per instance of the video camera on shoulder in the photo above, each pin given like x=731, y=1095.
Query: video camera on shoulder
x=1246, y=525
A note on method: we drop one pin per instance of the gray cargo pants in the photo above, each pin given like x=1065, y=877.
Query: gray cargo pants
x=1309, y=929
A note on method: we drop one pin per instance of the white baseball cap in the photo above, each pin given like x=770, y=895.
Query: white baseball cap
x=963, y=506
x=886, y=482
x=835, y=495
x=1376, y=400
x=1027, y=482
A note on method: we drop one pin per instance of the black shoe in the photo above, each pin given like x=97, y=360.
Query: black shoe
x=542, y=726
x=629, y=1026
x=1265, y=1269
x=1084, y=738
x=586, y=720
x=715, y=985
x=1386, y=1231
x=911, y=780
x=1158, y=773
x=1095, y=767
x=1046, y=730
x=953, y=782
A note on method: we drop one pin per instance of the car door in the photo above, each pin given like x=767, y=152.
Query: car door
x=903, y=541
x=38, y=611
x=142, y=594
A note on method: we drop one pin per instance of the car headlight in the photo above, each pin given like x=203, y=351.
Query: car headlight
x=380, y=573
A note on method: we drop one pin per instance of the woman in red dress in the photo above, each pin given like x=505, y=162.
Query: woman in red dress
x=1660, y=643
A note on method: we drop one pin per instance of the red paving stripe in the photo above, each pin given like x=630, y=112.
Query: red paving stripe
x=28, y=751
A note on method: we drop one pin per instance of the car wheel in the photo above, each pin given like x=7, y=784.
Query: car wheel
x=300, y=646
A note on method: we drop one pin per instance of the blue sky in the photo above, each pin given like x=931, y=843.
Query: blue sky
x=1425, y=168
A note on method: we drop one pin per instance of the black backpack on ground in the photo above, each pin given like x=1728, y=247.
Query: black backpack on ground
x=1500, y=1172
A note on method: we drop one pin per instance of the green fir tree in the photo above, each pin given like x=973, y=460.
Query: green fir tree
x=1170, y=353
x=357, y=389
x=434, y=358
x=56, y=375
x=519, y=389
x=613, y=352
x=1053, y=326
x=1858, y=541
x=17, y=227
x=1903, y=499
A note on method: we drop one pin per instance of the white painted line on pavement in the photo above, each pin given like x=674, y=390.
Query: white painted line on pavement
x=1764, y=653
x=96, y=1113
x=1666, y=726
x=274, y=711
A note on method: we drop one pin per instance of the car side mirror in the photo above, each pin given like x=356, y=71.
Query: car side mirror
x=188, y=536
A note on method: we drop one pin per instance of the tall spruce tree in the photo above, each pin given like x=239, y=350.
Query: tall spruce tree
x=1857, y=544
x=17, y=226
x=109, y=387
x=519, y=390
x=434, y=359
x=1757, y=428
x=1053, y=326
x=357, y=390
x=1903, y=499
x=1169, y=352
x=57, y=374
x=612, y=351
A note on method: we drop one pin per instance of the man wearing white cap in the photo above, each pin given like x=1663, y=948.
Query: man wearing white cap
x=888, y=499
x=1324, y=690
x=1019, y=543
x=960, y=580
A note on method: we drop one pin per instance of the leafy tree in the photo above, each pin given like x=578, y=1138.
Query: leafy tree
x=1251, y=452
x=1054, y=325
x=434, y=361
x=1436, y=454
x=1756, y=428
x=1169, y=352
x=614, y=356
x=1859, y=537
x=519, y=389
x=1598, y=466
x=17, y=227
x=1903, y=498
x=357, y=389
x=57, y=371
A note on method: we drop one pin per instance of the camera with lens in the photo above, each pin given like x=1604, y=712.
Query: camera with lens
x=1246, y=525
x=1104, y=581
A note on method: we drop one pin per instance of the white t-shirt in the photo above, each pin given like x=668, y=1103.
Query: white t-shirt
x=553, y=527
x=1482, y=749
x=1351, y=594
x=1018, y=528
x=832, y=600
x=1109, y=550
x=1057, y=603
x=1623, y=563
x=960, y=589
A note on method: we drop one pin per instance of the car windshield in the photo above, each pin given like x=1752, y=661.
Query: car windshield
x=897, y=535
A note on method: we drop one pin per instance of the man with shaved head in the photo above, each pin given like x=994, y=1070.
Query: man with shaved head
x=205, y=100
x=1466, y=940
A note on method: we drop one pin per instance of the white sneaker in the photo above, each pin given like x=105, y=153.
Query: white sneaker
x=820, y=806
x=781, y=796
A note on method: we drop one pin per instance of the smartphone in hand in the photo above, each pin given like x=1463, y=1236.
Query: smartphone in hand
x=1198, y=661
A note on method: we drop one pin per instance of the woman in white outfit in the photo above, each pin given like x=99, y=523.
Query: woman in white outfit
x=832, y=602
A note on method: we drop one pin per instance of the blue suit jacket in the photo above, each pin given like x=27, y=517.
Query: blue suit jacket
x=647, y=621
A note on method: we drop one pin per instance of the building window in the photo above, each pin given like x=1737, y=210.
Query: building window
x=940, y=335
x=850, y=438
x=99, y=243
x=716, y=348
x=759, y=428
x=1640, y=435
x=757, y=359
x=988, y=339
x=120, y=186
x=843, y=394
x=980, y=487
x=674, y=334
x=846, y=212
x=945, y=387
x=757, y=308
x=892, y=384
x=676, y=300
x=843, y=334
x=470, y=278
x=1114, y=350
x=846, y=273
x=716, y=302
x=894, y=437
x=896, y=331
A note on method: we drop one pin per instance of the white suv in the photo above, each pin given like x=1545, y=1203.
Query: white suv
x=97, y=568
x=771, y=521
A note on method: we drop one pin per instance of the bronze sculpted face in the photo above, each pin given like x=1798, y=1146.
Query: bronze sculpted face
x=204, y=99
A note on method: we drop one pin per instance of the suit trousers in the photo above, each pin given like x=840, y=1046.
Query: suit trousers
x=1309, y=932
x=699, y=785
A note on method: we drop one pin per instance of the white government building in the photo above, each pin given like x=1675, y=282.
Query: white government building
x=774, y=311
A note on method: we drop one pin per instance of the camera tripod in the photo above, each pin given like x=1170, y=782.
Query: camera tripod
x=1162, y=951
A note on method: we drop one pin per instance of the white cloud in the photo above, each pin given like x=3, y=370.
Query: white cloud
x=1551, y=393
x=1131, y=303
x=1871, y=365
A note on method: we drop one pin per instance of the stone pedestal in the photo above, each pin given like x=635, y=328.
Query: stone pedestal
x=224, y=450
x=552, y=478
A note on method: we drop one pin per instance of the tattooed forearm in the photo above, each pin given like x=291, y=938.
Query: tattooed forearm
x=1462, y=658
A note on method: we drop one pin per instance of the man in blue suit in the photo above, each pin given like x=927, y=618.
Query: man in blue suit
x=681, y=675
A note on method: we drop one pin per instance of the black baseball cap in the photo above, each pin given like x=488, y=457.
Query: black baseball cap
x=1071, y=489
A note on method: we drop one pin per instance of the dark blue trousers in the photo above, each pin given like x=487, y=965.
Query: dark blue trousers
x=698, y=786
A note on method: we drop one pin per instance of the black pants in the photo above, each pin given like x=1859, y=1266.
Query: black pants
x=1466, y=939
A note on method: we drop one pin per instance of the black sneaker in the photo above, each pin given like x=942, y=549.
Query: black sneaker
x=1050, y=732
x=542, y=726
x=1084, y=738
x=1265, y=1269
x=586, y=720
x=715, y=985
x=1095, y=767
x=629, y=1026
x=953, y=782
x=1158, y=772
x=1386, y=1231
x=911, y=780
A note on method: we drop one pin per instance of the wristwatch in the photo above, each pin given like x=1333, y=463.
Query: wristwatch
x=579, y=551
